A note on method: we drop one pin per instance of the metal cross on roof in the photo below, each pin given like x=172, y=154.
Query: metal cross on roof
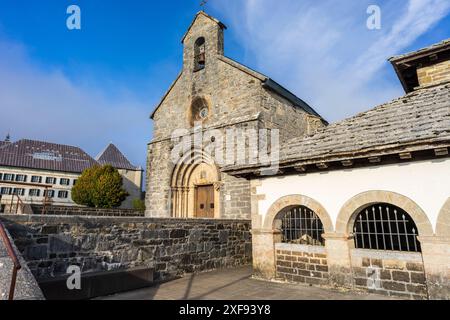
x=203, y=3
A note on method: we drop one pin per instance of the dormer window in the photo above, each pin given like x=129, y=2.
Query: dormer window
x=200, y=57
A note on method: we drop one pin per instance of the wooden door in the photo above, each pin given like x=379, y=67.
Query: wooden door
x=204, y=202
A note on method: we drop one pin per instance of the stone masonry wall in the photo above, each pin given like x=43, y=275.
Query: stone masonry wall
x=83, y=211
x=434, y=74
x=26, y=285
x=399, y=274
x=302, y=264
x=172, y=247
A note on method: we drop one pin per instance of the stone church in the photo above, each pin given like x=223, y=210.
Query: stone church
x=363, y=203
x=220, y=94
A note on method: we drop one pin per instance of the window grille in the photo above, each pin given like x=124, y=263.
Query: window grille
x=385, y=227
x=301, y=225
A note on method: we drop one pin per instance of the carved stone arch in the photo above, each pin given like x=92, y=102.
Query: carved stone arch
x=288, y=202
x=187, y=176
x=352, y=208
x=443, y=222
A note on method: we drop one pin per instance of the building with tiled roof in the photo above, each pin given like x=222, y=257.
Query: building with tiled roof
x=362, y=202
x=34, y=169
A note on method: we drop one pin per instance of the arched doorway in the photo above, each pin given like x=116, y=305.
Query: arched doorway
x=195, y=187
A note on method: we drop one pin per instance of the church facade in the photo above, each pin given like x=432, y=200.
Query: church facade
x=213, y=96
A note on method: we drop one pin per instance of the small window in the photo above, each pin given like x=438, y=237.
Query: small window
x=21, y=178
x=64, y=182
x=50, y=180
x=36, y=179
x=74, y=181
x=5, y=191
x=1, y=176
x=385, y=227
x=8, y=177
x=19, y=192
x=199, y=110
x=34, y=193
x=49, y=193
x=63, y=194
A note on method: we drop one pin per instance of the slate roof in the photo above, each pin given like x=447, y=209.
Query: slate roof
x=112, y=155
x=416, y=121
x=422, y=116
x=443, y=45
x=46, y=156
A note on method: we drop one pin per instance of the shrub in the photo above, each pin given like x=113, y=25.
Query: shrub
x=99, y=187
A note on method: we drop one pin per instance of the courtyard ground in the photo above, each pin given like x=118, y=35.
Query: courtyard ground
x=235, y=284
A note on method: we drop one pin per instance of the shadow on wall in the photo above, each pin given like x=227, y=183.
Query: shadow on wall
x=138, y=249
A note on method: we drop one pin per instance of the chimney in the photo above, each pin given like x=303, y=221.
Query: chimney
x=423, y=68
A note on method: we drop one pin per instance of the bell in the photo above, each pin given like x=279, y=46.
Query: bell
x=201, y=58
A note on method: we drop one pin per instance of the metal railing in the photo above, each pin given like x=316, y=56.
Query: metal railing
x=16, y=263
x=386, y=227
x=301, y=225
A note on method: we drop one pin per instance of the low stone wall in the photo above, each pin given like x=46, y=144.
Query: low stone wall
x=171, y=246
x=82, y=211
x=399, y=274
x=26, y=285
x=301, y=263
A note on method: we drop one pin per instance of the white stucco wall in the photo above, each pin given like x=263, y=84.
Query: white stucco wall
x=427, y=183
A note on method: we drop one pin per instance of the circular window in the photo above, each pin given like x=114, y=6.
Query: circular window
x=199, y=110
x=204, y=113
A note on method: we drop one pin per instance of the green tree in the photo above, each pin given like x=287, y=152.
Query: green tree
x=99, y=187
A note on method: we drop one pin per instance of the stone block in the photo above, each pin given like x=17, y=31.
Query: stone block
x=36, y=252
x=322, y=268
x=417, y=277
x=414, y=266
x=402, y=276
x=417, y=289
x=393, y=286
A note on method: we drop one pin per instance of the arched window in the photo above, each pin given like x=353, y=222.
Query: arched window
x=301, y=225
x=384, y=226
x=199, y=110
x=199, y=52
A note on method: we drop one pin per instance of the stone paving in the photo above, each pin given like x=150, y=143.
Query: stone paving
x=236, y=284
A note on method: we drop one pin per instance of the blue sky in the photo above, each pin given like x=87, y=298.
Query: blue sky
x=99, y=84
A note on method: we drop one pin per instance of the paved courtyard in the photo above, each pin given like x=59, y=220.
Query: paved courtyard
x=235, y=284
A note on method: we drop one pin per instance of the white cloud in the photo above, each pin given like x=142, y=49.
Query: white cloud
x=323, y=51
x=41, y=103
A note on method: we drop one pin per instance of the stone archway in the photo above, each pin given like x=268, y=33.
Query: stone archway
x=352, y=207
x=443, y=222
x=194, y=171
x=287, y=202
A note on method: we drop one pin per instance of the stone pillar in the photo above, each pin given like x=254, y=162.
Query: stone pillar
x=263, y=242
x=338, y=248
x=436, y=261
